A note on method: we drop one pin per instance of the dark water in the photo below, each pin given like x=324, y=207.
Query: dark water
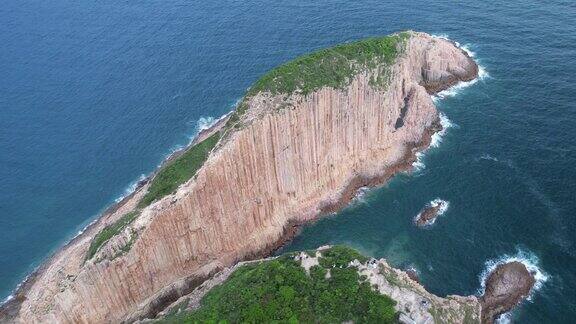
x=94, y=94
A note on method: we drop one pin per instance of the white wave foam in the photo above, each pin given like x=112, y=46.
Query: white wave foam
x=80, y=232
x=419, y=165
x=442, y=203
x=466, y=48
x=361, y=193
x=412, y=268
x=7, y=299
x=11, y=296
x=505, y=318
x=202, y=123
x=435, y=141
x=437, y=137
x=205, y=123
x=530, y=261
x=130, y=189
x=454, y=90
x=441, y=36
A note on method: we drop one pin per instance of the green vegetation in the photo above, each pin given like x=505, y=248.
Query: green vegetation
x=340, y=256
x=333, y=67
x=109, y=231
x=280, y=291
x=179, y=170
x=234, y=120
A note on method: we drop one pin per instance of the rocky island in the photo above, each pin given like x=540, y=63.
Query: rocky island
x=304, y=138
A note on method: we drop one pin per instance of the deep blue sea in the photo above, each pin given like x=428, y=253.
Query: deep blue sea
x=94, y=94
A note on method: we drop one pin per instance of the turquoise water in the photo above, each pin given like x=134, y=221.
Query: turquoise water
x=95, y=94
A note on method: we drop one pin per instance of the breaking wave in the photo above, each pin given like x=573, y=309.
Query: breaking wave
x=438, y=136
x=530, y=261
x=435, y=141
x=360, y=194
x=130, y=189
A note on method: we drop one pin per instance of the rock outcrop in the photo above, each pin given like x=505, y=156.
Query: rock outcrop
x=428, y=215
x=414, y=304
x=293, y=157
x=506, y=286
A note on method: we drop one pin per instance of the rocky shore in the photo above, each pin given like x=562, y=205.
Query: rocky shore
x=286, y=160
x=506, y=286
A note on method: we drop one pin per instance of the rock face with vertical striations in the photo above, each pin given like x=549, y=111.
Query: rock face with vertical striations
x=291, y=156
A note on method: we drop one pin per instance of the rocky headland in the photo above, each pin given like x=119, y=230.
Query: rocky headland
x=305, y=137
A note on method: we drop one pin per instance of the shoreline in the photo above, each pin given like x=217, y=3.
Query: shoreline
x=187, y=285
x=10, y=307
x=292, y=228
x=11, y=304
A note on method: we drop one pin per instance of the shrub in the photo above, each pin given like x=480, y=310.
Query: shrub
x=179, y=170
x=109, y=231
x=280, y=291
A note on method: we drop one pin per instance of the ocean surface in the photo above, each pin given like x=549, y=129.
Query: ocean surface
x=95, y=94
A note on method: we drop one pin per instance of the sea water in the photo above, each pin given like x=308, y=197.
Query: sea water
x=95, y=94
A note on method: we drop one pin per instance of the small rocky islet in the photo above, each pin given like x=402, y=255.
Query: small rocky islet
x=427, y=216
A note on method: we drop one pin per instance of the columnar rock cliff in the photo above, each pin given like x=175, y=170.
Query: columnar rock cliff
x=292, y=157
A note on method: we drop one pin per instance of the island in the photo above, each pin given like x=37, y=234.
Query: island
x=303, y=139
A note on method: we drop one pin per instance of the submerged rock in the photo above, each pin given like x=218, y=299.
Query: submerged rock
x=506, y=286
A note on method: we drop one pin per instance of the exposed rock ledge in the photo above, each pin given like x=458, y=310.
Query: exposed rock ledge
x=283, y=167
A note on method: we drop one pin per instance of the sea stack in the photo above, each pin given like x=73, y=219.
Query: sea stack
x=302, y=140
x=506, y=286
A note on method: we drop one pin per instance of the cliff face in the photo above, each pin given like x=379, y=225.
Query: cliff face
x=293, y=157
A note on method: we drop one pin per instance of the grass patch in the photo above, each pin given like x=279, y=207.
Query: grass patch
x=333, y=67
x=280, y=291
x=179, y=170
x=109, y=231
